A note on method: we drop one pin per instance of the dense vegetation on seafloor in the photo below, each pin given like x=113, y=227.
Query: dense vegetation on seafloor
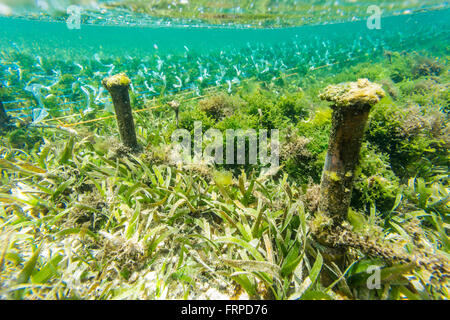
x=82, y=217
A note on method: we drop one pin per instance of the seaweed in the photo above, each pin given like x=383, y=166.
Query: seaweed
x=111, y=223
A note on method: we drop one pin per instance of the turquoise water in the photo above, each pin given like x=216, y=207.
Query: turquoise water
x=35, y=54
x=84, y=216
x=47, y=36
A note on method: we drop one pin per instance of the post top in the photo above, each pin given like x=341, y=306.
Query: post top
x=118, y=80
x=174, y=104
x=361, y=92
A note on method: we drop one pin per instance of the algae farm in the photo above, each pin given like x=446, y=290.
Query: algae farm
x=226, y=150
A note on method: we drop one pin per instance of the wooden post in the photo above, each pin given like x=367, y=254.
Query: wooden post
x=4, y=119
x=351, y=106
x=175, y=105
x=118, y=86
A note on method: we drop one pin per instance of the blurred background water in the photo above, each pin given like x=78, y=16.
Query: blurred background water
x=231, y=13
x=170, y=46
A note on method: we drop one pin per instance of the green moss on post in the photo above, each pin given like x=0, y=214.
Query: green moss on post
x=118, y=86
x=351, y=106
x=4, y=119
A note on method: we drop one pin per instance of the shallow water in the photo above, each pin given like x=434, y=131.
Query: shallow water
x=167, y=60
x=55, y=35
x=147, y=224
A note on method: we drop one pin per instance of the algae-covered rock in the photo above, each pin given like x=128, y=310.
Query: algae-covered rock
x=361, y=92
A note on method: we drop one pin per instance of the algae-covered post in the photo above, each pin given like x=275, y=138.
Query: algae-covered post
x=118, y=86
x=351, y=106
x=175, y=105
x=4, y=119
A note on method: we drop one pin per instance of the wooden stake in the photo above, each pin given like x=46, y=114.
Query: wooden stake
x=351, y=106
x=4, y=119
x=118, y=86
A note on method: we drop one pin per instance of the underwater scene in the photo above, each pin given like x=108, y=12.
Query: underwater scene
x=224, y=150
